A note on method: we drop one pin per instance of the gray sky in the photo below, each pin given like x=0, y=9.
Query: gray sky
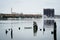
x=29, y=6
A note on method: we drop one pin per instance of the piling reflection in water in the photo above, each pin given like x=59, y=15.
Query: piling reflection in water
x=55, y=28
x=52, y=32
x=19, y=28
x=43, y=30
x=6, y=31
x=35, y=28
x=11, y=30
x=11, y=33
x=40, y=29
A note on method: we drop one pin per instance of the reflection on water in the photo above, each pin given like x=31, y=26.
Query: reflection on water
x=19, y=28
x=6, y=31
x=11, y=30
x=11, y=33
x=27, y=27
x=40, y=29
x=16, y=30
x=55, y=28
x=43, y=30
x=35, y=28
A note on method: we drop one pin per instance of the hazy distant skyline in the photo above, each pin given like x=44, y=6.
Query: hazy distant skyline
x=28, y=6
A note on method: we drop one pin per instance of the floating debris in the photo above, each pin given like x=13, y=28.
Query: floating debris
x=27, y=27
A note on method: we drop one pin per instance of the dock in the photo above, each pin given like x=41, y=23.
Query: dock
x=20, y=16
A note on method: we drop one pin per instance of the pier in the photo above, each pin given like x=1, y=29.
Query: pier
x=20, y=16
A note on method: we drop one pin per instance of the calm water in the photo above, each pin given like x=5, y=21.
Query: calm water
x=26, y=34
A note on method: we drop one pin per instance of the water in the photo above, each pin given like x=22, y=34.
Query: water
x=26, y=34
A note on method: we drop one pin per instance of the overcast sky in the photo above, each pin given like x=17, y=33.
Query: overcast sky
x=29, y=6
